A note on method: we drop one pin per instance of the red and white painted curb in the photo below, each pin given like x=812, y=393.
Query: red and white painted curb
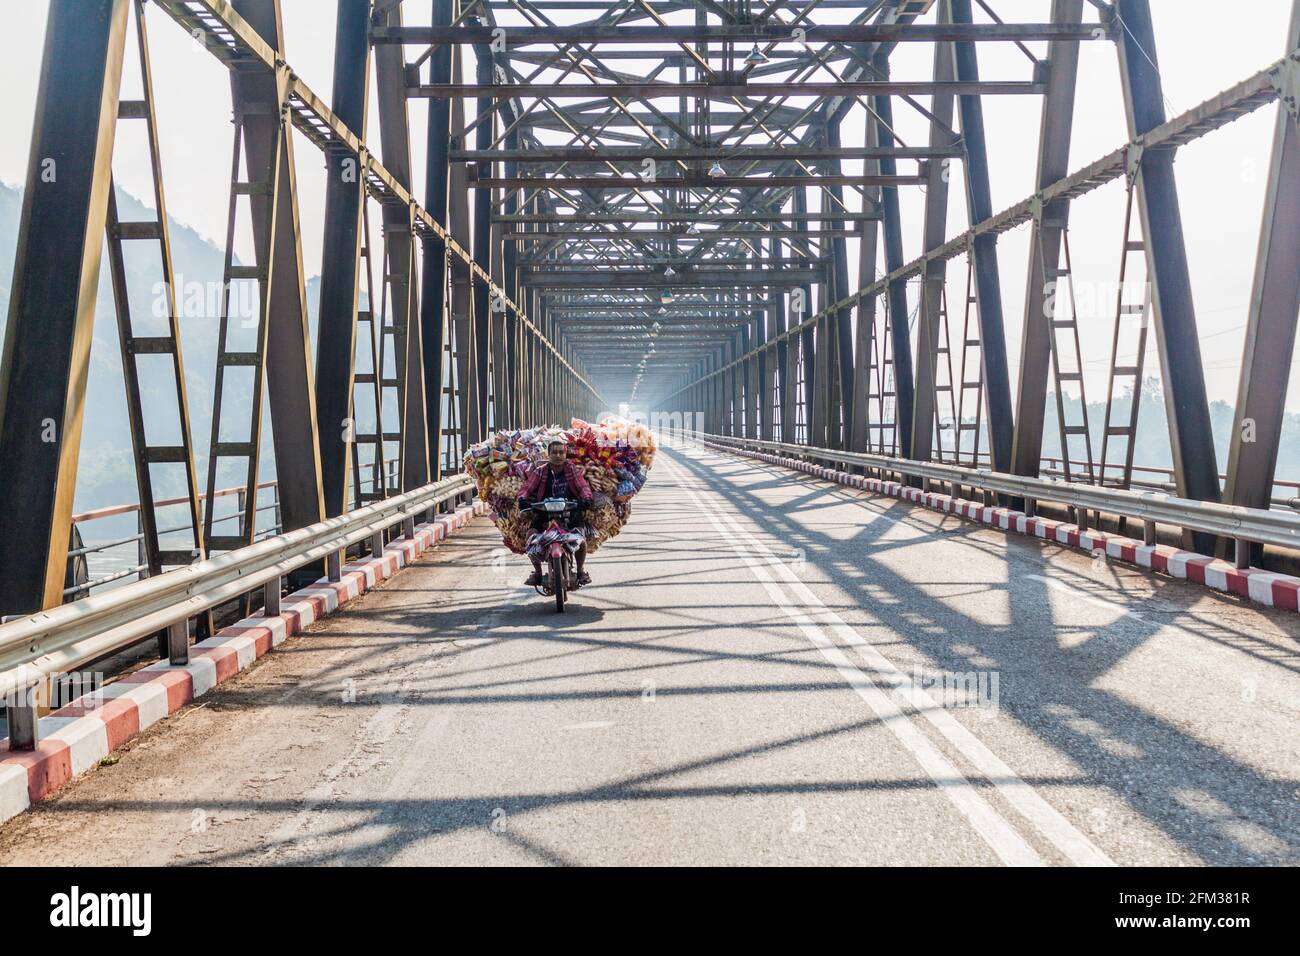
x=1264, y=587
x=76, y=737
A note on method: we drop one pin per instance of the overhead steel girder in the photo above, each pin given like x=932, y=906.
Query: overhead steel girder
x=616, y=310
x=541, y=264
x=340, y=281
x=568, y=34
x=692, y=280
x=289, y=374
x=565, y=119
x=1196, y=473
x=693, y=181
x=744, y=153
x=1274, y=307
x=761, y=231
x=675, y=216
x=721, y=90
x=52, y=307
x=1047, y=228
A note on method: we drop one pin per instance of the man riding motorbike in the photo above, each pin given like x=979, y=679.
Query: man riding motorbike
x=557, y=477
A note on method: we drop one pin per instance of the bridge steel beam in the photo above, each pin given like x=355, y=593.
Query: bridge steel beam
x=476, y=33
x=1196, y=473
x=1046, y=232
x=856, y=436
x=289, y=372
x=1274, y=307
x=486, y=125
x=984, y=255
x=841, y=326
x=46, y=355
x=340, y=281
x=399, y=239
x=900, y=336
x=767, y=362
x=934, y=275
x=716, y=90
x=434, y=315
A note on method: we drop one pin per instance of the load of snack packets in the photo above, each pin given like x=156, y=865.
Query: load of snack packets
x=615, y=456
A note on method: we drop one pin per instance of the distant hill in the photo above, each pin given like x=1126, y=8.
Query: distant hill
x=107, y=475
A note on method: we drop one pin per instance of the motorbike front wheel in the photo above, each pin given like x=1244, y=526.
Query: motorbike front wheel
x=558, y=582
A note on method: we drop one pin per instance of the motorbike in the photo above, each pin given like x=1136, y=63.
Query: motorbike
x=559, y=546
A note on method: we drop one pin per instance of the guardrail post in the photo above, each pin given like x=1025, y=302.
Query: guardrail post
x=24, y=724
x=408, y=527
x=178, y=642
x=332, y=570
x=1148, y=532
x=141, y=555
x=377, y=544
x=271, y=596
x=1031, y=505
x=1242, y=549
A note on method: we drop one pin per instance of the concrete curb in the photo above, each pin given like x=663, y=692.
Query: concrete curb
x=1263, y=587
x=75, y=738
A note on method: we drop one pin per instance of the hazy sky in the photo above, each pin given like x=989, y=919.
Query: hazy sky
x=1221, y=177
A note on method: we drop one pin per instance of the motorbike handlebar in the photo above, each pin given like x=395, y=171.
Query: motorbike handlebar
x=570, y=504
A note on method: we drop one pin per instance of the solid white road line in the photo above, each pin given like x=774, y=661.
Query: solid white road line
x=812, y=615
x=1001, y=837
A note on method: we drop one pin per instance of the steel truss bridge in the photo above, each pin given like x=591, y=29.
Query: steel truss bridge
x=650, y=203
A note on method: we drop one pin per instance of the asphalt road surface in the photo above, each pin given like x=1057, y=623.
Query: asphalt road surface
x=769, y=669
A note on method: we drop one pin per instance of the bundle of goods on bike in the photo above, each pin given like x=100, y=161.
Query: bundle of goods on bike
x=558, y=494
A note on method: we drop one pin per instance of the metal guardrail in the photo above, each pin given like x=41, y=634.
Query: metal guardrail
x=60, y=639
x=139, y=569
x=1245, y=525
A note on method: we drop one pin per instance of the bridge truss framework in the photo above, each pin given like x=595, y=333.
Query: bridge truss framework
x=660, y=214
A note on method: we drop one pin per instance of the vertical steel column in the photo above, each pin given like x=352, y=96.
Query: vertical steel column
x=399, y=240
x=988, y=285
x=1053, y=164
x=1196, y=472
x=341, y=257
x=483, y=231
x=936, y=218
x=1274, y=305
x=52, y=306
x=807, y=349
x=510, y=354
x=433, y=291
x=289, y=373
x=767, y=359
x=462, y=297
x=856, y=437
x=843, y=319
x=900, y=337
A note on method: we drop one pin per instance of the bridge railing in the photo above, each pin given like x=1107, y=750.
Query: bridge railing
x=61, y=639
x=83, y=551
x=1246, y=526
x=1286, y=494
